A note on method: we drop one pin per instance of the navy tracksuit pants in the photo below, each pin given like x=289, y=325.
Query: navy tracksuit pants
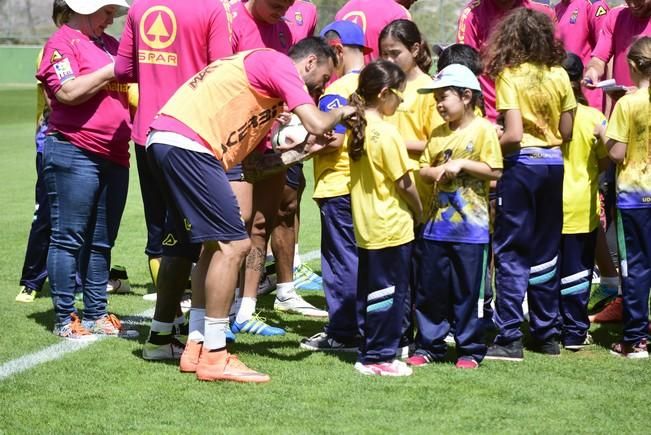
x=526, y=242
x=339, y=266
x=451, y=289
x=634, y=233
x=577, y=263
x=382, y=286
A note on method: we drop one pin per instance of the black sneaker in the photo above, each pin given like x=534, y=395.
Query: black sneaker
x=549, y=347
x=509, y=352
x=322, y=342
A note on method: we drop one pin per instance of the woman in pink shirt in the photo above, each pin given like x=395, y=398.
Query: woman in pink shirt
x=86, y=164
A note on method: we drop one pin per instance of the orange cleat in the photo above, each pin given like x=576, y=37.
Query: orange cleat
x=222, y=366
x=190, y=356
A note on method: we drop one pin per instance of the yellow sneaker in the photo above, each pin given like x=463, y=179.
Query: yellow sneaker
x=26, y=294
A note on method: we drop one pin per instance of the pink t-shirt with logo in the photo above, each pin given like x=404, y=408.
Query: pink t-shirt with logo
x=164, y=43
x=249, y=33
x=270, y=73
x=102, y=124
x=372, y=16
x=301, y=18
x=579, y=24
x=476, y=24
x=617, y=34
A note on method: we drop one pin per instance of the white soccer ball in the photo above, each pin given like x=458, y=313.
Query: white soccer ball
x=288, y=135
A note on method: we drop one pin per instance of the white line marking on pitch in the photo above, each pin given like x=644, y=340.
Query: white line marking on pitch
x=59, y=350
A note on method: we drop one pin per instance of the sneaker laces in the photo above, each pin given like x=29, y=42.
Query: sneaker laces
x=76, y=327
x=113, y=320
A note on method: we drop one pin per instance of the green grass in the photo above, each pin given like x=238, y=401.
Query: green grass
x=108, y=388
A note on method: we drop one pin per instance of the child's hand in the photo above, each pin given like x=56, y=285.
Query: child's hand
x=452, y=168
x=284, y=118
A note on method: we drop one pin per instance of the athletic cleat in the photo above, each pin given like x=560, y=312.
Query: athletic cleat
x=391, y=368
x=267, y=284
x=578, y=346
x=222, y=366
x=601, y=296
x=297, y=305
x=549, y=347
x=467, y=362
x=111, y=326
x=631, y=351
x=449, y=339
x=510, y=352
x=151, y=297
x=190, y=356
x=26, y=294
x=322, y=342
x=256, y=325
x=74, y=330
x=305, y=279
x=156, y=352
x=118, y=282
x=612, y=313
x=419, y=360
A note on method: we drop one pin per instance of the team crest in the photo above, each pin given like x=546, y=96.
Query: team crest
x=574, y=16
x=56, y=56
x=298, y=17
x=470, y=147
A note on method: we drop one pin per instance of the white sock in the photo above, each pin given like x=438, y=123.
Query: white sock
x=297, y=257
x=197, y=319
x=610, y=281
x=161, y=328
x=215, y=333
x=247, y=308
x=285, y=290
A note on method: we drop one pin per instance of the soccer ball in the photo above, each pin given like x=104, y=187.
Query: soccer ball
x=288, y=135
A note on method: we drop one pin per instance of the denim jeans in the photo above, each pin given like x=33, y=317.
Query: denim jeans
x=87, y=194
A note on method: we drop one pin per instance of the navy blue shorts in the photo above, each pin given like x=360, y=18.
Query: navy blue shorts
x=236, y=173
x=153, y=204
x=206, y=208
x=295, y=177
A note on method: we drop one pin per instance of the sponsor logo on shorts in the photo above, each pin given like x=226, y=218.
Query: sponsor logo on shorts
x=187, y=224
x=170, y=240
x=158, y=30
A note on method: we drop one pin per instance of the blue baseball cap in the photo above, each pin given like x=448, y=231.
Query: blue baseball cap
x=349, y=33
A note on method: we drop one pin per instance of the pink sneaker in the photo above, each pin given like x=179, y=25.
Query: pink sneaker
x=392, y=368
x=419, y=360
x=466, y=362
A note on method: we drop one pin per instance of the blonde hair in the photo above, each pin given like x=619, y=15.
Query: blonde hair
x=639, y=57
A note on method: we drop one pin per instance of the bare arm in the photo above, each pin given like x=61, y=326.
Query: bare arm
x=415, y=146
x=566, y=125
x=407, y=190
x=327, y=146
x=475, y=168
x=317, y=122
x=84, y=87
x=600, y=135
x=616, y=150
x=513, y=130
x=431, y=174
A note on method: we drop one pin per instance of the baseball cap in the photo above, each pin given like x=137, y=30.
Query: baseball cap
x=87, y=7
x=573, y=66
x=349, y=33
x=456, y=75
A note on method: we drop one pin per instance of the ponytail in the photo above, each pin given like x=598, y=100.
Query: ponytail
x=357, y=127
x=408, y=34
x=424, y=56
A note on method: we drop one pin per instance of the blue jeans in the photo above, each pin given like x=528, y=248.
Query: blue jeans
x=87, y=194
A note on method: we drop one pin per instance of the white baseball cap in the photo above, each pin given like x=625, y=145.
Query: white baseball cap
x=87, y=7
x=456, y=75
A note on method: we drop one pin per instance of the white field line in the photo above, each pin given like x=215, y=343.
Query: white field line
x=59, y=350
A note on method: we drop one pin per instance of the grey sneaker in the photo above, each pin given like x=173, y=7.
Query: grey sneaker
x=322, y=342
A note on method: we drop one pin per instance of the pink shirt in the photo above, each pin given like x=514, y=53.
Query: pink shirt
x=579, y=24
x=270, y=73
x=164, y=43
x=249, y=33
x=372, y=16
x=102, y=124
x=301, y=18
x=476, y=24
x=616, y=37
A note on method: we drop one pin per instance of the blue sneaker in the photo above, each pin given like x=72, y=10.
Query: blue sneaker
x=256, y=325
x=230, y=337
x=305, y=279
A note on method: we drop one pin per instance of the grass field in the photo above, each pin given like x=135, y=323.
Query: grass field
x=108, y=388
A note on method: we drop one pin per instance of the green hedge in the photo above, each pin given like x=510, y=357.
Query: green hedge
x=19, y=64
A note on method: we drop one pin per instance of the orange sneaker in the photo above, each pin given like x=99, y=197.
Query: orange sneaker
x=190, y=356
x=612, y=313
x=222, y=366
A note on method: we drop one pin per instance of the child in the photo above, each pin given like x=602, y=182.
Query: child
x=535, y=97
x=383, y=199
x=583, y=157
x=402, y=43
x=461, y=157
x=629, y=145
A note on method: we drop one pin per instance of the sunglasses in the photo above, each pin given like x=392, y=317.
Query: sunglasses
x=398, y=94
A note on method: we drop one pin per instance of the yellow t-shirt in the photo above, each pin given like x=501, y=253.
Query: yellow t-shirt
x=41, y=106
x=459, y=209
x=332, y=170
x=581, y=180
x=629, y=124
x=381, y=218
x=415, y=119
x=541, y=94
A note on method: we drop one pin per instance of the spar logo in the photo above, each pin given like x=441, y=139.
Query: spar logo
x=357, y=17
x=158, y=31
